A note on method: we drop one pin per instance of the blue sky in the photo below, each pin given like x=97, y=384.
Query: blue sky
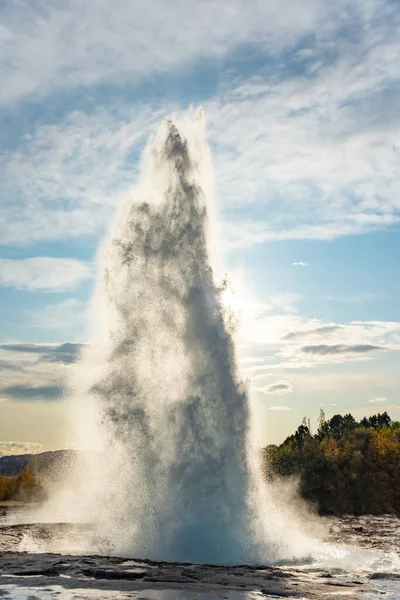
x=302, y=110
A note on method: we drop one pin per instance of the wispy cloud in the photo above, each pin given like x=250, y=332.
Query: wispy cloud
x=65, y=353
x=360, y=297
x=297, y=342
x=277, y=388
x=59, y=317
x=353, y=333
x=358, y=381
x=53, y=47
x=43, y=273
x=324, y=330
x=67, y=178
x=279, y=408
x=377, y=400
x=35, y=372
x=25, y=392
x=315, y=145
x=10, y=448
x=300, y=264
x=245, y=234
x=324, y=349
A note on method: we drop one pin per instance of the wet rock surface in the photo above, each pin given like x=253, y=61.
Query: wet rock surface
x=37, y=571
x=44, y=575
x=369, y=531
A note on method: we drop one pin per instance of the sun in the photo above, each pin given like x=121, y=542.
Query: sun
x=232, y=301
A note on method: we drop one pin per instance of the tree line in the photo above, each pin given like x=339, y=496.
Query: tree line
x=346, y=467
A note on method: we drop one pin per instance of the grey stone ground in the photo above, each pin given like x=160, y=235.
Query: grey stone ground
x=26, y=576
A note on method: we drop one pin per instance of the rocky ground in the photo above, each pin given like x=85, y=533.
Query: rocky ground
x=380, y=532
x=31, y=576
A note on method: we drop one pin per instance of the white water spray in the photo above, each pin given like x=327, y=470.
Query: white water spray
x=160, y=395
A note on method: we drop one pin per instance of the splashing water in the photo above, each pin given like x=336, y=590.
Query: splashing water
x=159, y=395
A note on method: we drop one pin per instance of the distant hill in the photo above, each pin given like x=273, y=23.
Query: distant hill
x=12, y=465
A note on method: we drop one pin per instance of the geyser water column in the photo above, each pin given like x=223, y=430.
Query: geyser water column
x=160, y=391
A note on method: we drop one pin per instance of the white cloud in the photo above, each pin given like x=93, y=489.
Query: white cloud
x=300, y=264
x=279, y=408
x=299, y=342
x=277, y=388
x=289, y=341
x=377, y=400
x=35, y=372
x=314, y=332
x=251, y=359
x=67, y=179
x=247, y=233
x=360, y=297
x=321, y=343
x=43, y=273
x=284, y=302
x=339, y=349
x=260, y=376
x=303, y=347
x=9, y=448
x=315, y=145
x=356, y=381
x=59, y=317
x=319, y=150
x=55, y=46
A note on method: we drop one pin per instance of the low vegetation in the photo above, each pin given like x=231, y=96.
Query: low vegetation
x=346, y=467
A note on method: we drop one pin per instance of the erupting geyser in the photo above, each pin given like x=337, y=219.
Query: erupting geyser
x=160, y=392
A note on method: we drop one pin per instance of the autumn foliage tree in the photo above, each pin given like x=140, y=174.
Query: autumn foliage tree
x=346, y=466
x=24, y=487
